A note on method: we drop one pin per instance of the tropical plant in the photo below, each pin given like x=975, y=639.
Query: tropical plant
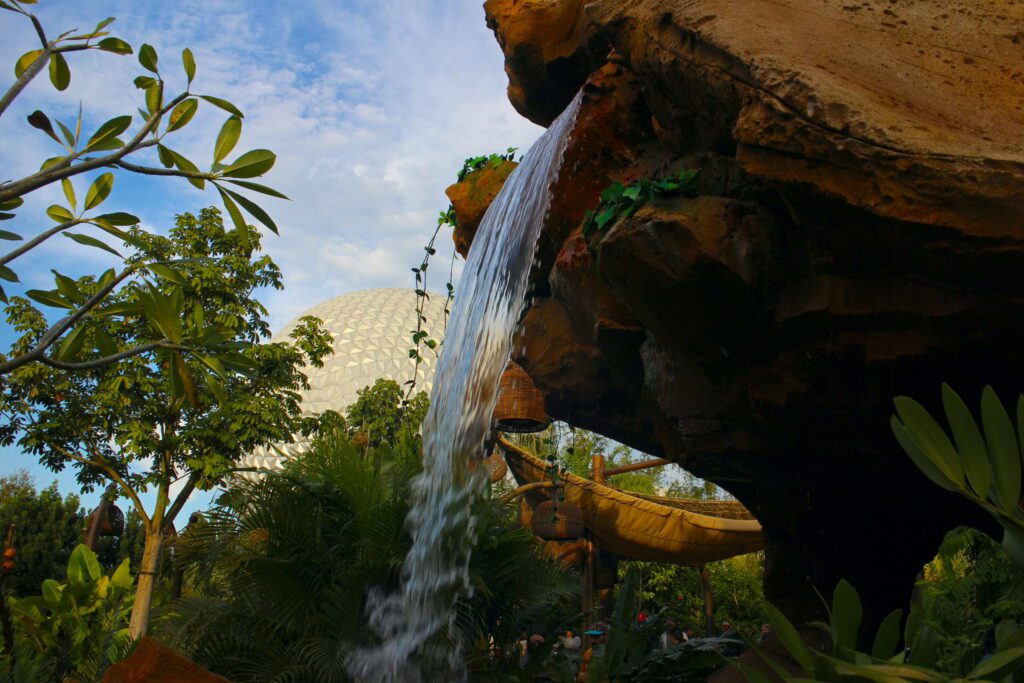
x=154, y=420
x=910, y=656
x=981, y=463
x=163, y=116
x=381, y=413
x=76, y=629
x=622, y=201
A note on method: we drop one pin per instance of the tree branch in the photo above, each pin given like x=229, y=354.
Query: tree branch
x=39, y=239
x=113, y=358
x=61, y=326
x=150, y=170
x=66, y=170
x=26, y=77
x=181, y=499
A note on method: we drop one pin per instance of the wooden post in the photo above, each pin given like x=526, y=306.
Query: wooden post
x=709, y=601
x=597, y=468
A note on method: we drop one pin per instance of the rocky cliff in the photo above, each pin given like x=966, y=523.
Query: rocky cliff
x=857, y=234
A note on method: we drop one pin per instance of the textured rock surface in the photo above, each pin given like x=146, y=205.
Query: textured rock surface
x=859, y=235
x=471, y=197
x=152, y=662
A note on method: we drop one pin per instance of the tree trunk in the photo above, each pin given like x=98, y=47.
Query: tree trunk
x=139, y=623
x=709, y=601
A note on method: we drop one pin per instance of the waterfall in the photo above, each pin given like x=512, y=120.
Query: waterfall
x=478, y=344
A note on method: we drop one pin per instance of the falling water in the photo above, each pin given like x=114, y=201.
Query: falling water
x=478, y=341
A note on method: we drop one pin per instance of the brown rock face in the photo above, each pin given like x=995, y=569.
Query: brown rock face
x=152, y=662
x=858, y=234
x=471, y=197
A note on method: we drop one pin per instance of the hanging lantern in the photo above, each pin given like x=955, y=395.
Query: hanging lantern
x=112, y=523
x=496, y=467
x=520, y=406
x=555, y=521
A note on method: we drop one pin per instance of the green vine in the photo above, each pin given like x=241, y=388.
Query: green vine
x=420, y=336
x=622, y=201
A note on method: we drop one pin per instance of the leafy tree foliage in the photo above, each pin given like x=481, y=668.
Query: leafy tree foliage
x=49, y=526
x=380, y=414
x=149, y=421
x=163, y=117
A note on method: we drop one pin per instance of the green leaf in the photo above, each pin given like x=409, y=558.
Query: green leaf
x=125, y=308
x=69, y=193
x=11, y=236
x=8, y=274
x=789, y=637
x=41, y=121
x=109, y=130
x=189, y=62
x=251, y=164
x=59, y=213
x=969, y=442
x=159, y=311
x=1013, y=544
x=51, y=162
x=256, y=187
x=60, y=74
x=68, y=135
x=1003, y=449
x=68, y=288
x=922, y=462
x=118, y=218
x=187, y=166
x=216, y=388
x=166, y=156
x=99, y=190
x=223, y=104
x=90, y=242
x=51, y=591
x=232, y=209
x=122, y=578
x=105, y=23
x=846, y=617
x=154, y=98
x=104, y=342
x=167, y=273
x=147, y=57
x=257, y=212
x=25, y=61
x=887, y=640
x=182, y=114
x=999, y=665
x=925, y=648
x=12, y=203
x=115, y=45
x=72, y=344
x=144, y=82
x=930, y=439
x=227, y=138
x=83, y=566
x=51, y=299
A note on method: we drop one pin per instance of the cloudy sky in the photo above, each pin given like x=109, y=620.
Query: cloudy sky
x=370, y=105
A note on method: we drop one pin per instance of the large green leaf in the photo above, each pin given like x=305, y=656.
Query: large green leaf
x=147, y=57
x=919, y=458
x=846, y=617
x=41, y=121
x=99, y=190
x=223, y=104
x=789, y=637
x=187, y=166
x=969, y=442
x=69, y=193
x=91, y=242
x=227, y=138
x=256, y=187
x=1013, y=544
x=189, y=62
x=924, y=650
x=251, y=164
x=109, y=130
x=49, y=299
x=999, y=665
x=8, y=274
x=72, y=344
x=60, y=74
x=930, y=439
x=115, y=45
x=59, y=214
x=1003, y=449
x=257, y=212
x=182, y=114
x=83, y=566
x=887, y=639
x=25, y=61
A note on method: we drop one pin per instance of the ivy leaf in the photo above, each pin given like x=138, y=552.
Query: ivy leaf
x=110, y=129
x=251, y=164
x=189, y=62
x=60, y=74
x=115, y=45
x=41, y=121
x=25, y=61
x=182, y=114
x=91, y=242
x=99, y=190
x=223, y=104
x=147, y=57
x=226, y=139
x=59, y=213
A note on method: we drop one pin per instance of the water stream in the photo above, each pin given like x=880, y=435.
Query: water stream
x=478, y=344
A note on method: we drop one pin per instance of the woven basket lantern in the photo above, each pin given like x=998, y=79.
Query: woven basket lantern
x=113, y=522
x=520, y=406
x=557, y=521
x=496, y=467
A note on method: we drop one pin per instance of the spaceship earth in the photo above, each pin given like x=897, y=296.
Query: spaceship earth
x=372, y=330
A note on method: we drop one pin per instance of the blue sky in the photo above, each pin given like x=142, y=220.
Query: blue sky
x=370, y=106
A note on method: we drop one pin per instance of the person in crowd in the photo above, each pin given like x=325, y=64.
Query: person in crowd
x=766, y=631
x=727, y=630
x=598, y=637
x=669, y=637
x=570, y=642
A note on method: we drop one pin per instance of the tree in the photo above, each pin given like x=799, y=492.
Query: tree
x=381, y=414
x=163, y=116
x=169, y=417
x=49, y=526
